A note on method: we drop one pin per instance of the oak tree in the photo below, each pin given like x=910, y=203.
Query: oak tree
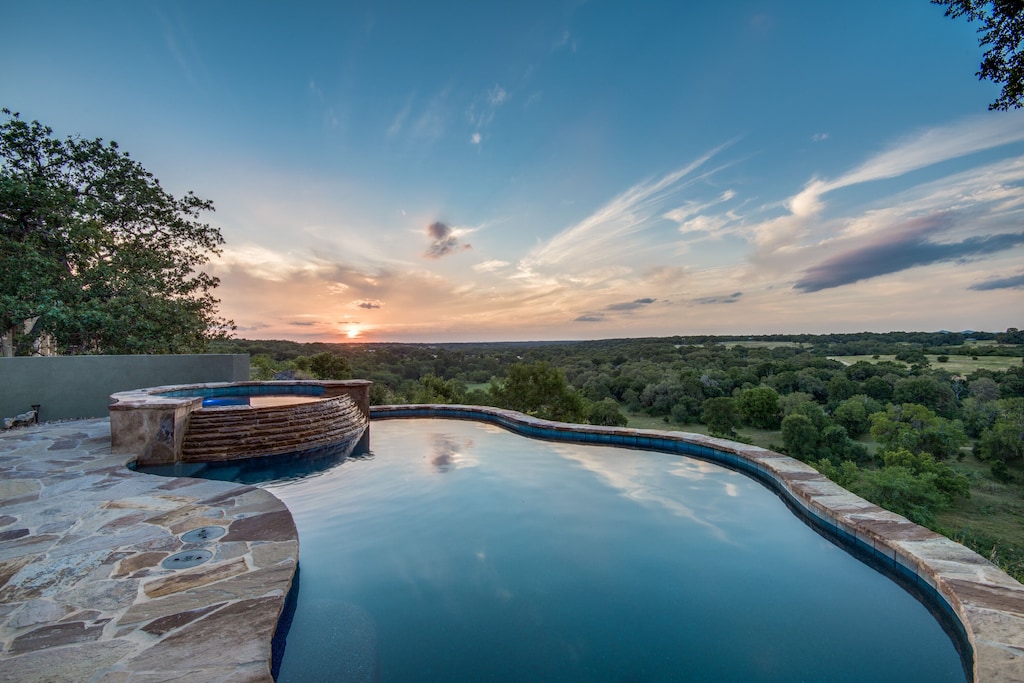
x=95, y=254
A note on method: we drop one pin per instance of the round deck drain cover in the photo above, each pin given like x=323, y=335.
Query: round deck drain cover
x=184, y=560
x=203, y=534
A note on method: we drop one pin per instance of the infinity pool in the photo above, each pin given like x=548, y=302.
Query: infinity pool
x=457, y=551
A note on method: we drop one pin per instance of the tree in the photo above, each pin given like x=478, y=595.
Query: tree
x=877, y=388
x=539, y=390
x=915, y=428
x=927, y=391
x=1002, y=26
x=95, y=253
x=978, y=416
x=854, y=413
x=984, y=389
x=800, y=436
x=841, y=388
x=1005, y=439
x=721, y=416
x=835, y=444
x=1011, y=336
x=325, y=365
x=760, y=407
x=606, y=412
x=898, y=489
x=433, y=389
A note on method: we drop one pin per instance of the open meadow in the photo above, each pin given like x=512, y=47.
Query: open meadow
x=958, y=365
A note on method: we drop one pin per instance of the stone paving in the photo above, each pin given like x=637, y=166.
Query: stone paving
x=83, y=594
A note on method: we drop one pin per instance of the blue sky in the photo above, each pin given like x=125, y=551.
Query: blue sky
x=456, y=171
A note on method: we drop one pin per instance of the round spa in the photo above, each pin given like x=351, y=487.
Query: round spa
x=233, y=421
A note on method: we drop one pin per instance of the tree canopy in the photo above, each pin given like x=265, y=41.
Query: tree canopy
x=95, y=253
x=541, y=390
x=1002, y=29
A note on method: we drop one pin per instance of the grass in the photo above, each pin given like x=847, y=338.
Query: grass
x=958, y=365
x=991, y=522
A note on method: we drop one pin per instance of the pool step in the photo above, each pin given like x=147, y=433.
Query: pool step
x=229, y=433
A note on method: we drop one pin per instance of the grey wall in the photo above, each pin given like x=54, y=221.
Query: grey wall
x=80, y=386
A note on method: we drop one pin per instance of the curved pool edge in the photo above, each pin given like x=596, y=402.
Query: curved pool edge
x=985, y=602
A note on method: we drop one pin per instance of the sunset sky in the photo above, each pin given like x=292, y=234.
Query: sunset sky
x=471, y=171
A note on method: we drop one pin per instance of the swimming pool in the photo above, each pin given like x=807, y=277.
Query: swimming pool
x=459, y=551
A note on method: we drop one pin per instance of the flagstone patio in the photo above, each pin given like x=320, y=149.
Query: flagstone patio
x=83, y=593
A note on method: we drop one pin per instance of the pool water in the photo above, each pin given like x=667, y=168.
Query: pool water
x=457, y=551
x=261, y=401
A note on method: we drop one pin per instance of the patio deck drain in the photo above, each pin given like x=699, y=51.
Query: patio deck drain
x=203, y=534
x=186, y=559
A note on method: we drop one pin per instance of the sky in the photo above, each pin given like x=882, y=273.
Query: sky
x=560, y=169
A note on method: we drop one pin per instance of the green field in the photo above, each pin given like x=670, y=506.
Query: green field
x=958, y=365
x=991, y=522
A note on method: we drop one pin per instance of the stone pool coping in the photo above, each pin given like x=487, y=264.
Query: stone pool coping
x=82, y=594
x=987, y=602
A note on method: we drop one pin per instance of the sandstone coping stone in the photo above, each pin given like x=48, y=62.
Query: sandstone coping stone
x=987, y=603
x=82, y=594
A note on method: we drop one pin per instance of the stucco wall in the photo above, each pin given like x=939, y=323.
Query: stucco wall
x=80, y=386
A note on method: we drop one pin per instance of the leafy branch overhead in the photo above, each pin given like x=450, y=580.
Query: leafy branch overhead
x=95, y=253
x=1002, y=29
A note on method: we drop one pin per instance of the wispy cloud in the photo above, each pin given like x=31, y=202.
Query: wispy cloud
x=630, y=305
x=1010, y=282
x=419, y=121
x=490, y=266
x=484, y=108
x=266, y=264
x=988, y=194
x=566, y=40
x=930, y=147
x=606, y=234
x=183, y=50
x=398, y=123
x=729, y=299
x=910, y=246
x=616, y=309
x=369, y=305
